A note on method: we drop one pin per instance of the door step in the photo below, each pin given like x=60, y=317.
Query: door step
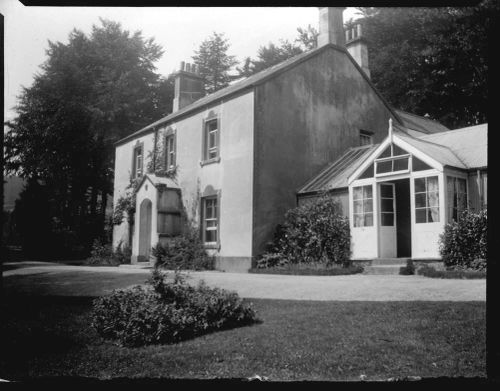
x=389, y=261
x=383, y=269
x=140, y=265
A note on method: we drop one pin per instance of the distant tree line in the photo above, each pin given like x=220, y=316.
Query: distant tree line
x=101, y=87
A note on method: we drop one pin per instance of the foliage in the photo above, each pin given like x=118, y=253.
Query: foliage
x=167, y=312
x=273, y=54
x=432, y=60
x=309, y=270
x=429, y=271
x=214, y=63
x=91, y=91
x=270, y=259
x=463, y=244
x=185, y=252
x=125, y=205
x=315, y=232
x=104, y=255
x=156, y=161
x=407, y=270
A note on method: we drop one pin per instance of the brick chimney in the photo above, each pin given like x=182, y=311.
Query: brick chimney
x=331, y=26
x=357, y=47
x=189, y=86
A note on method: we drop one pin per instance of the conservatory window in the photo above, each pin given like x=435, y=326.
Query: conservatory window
x=363, y=206
x=426, y=200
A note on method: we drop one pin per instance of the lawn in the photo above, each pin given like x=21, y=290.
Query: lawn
x=297, y=340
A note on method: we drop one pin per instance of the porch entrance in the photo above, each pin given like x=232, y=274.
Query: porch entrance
x=395, y=219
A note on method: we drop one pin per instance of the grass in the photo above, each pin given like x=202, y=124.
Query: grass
x=297, y=340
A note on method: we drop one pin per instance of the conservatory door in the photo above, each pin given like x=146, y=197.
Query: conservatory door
x=387, y=226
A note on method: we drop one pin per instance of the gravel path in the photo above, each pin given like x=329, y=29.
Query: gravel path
x=66, y=280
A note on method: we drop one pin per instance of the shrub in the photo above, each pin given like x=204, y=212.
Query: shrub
x=429, y=271
x=315, y=232
x=309, y=270
x=183, y=252
x=167, y=312
x=271, y=260
x=407, y=270
x=103, y=254
x=463, y=243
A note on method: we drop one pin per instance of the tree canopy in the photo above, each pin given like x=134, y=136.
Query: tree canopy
x=90, y=92
x=432, y=60
x=214, y=63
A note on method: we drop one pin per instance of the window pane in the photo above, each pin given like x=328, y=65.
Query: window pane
x=386, y=191
x=358, y=220
x=368, y=219
x=386, y=205
x=357, y=193
x=433, y=215
x=367, y=191
x=433, y=199
x=387, y=219
x=398, y=151
x=420, y=200
x=432, y=183
x=358, y=206
x=386, y=153
x=210, y=236
x=368, y=205
x=462, y=201
x=419, y=185
x=420, y=215
x=419, y=165
x=462, y=188
x=401, y=164
x=368, y=173
x=383, y=167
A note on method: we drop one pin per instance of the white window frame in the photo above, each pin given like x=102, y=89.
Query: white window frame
x=365, y=135
x=426, y=207
x=170, y=154
x=450, y=207
x=363, y=213
x=215, y=149
x=138, y=161
x=211, y=219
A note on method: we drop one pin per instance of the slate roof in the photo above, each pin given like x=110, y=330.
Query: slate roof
x=250, y=82
x=421, y=124
x=158, y=180
x=334, y=176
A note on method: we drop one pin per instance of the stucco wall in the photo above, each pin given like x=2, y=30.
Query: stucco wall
x=306, y=118
x=123, y=169
x=232, y=175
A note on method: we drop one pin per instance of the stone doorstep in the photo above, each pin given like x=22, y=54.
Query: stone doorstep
x=383, y=269
x=141, y=265
x=389, y=261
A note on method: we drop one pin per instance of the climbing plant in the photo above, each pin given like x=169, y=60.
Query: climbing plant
x=125, y=205
x=156, y=161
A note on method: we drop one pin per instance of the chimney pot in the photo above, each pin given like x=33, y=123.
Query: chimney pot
x=188, y=67
x=182, y=65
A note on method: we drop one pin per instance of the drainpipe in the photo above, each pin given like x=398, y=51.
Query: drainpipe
x=154, y=149
x=479, y=188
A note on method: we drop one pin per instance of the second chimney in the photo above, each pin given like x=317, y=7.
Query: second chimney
x=331, y=26
x=357, y=47
x=189, y=86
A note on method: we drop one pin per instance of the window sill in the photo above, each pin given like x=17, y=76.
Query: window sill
x=210, y=161
x=215, y=246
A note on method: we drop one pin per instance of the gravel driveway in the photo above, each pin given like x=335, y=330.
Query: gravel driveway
x=66, y=280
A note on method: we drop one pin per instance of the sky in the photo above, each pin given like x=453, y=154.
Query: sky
x=179, y=30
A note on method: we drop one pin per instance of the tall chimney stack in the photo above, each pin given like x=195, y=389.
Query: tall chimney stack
x=331, y=26
x=189, y=86
x=357, y=47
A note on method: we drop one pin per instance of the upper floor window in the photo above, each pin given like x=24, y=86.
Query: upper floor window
x=426, y=200
x=365, y=137
x=457, y=197
x=137, y=162
x=363, y=206
x=170, y=151
x=211, y=139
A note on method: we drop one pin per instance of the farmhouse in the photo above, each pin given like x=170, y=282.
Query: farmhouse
x=233, y=162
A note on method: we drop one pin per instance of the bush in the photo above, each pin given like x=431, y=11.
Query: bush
x=463, y=243
x=309, y=270
x=313, y=233
x=269, y=260
x=167, y=312
x=429, y=271
x=407, y=270
x=185, y=252
x=103, y=254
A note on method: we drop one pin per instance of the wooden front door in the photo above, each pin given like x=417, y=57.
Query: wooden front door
x=145, y=214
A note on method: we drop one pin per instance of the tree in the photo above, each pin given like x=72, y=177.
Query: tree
x=90, y=92
x=270, y=55
x=214, y=63
x=432, y=60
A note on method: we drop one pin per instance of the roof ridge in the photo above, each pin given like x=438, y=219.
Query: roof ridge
x=420, y=116
x=439, y=145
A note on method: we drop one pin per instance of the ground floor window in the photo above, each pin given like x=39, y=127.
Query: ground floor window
x=363, y=206
x=426, y=200
x=456, y=197
x=210, y=220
